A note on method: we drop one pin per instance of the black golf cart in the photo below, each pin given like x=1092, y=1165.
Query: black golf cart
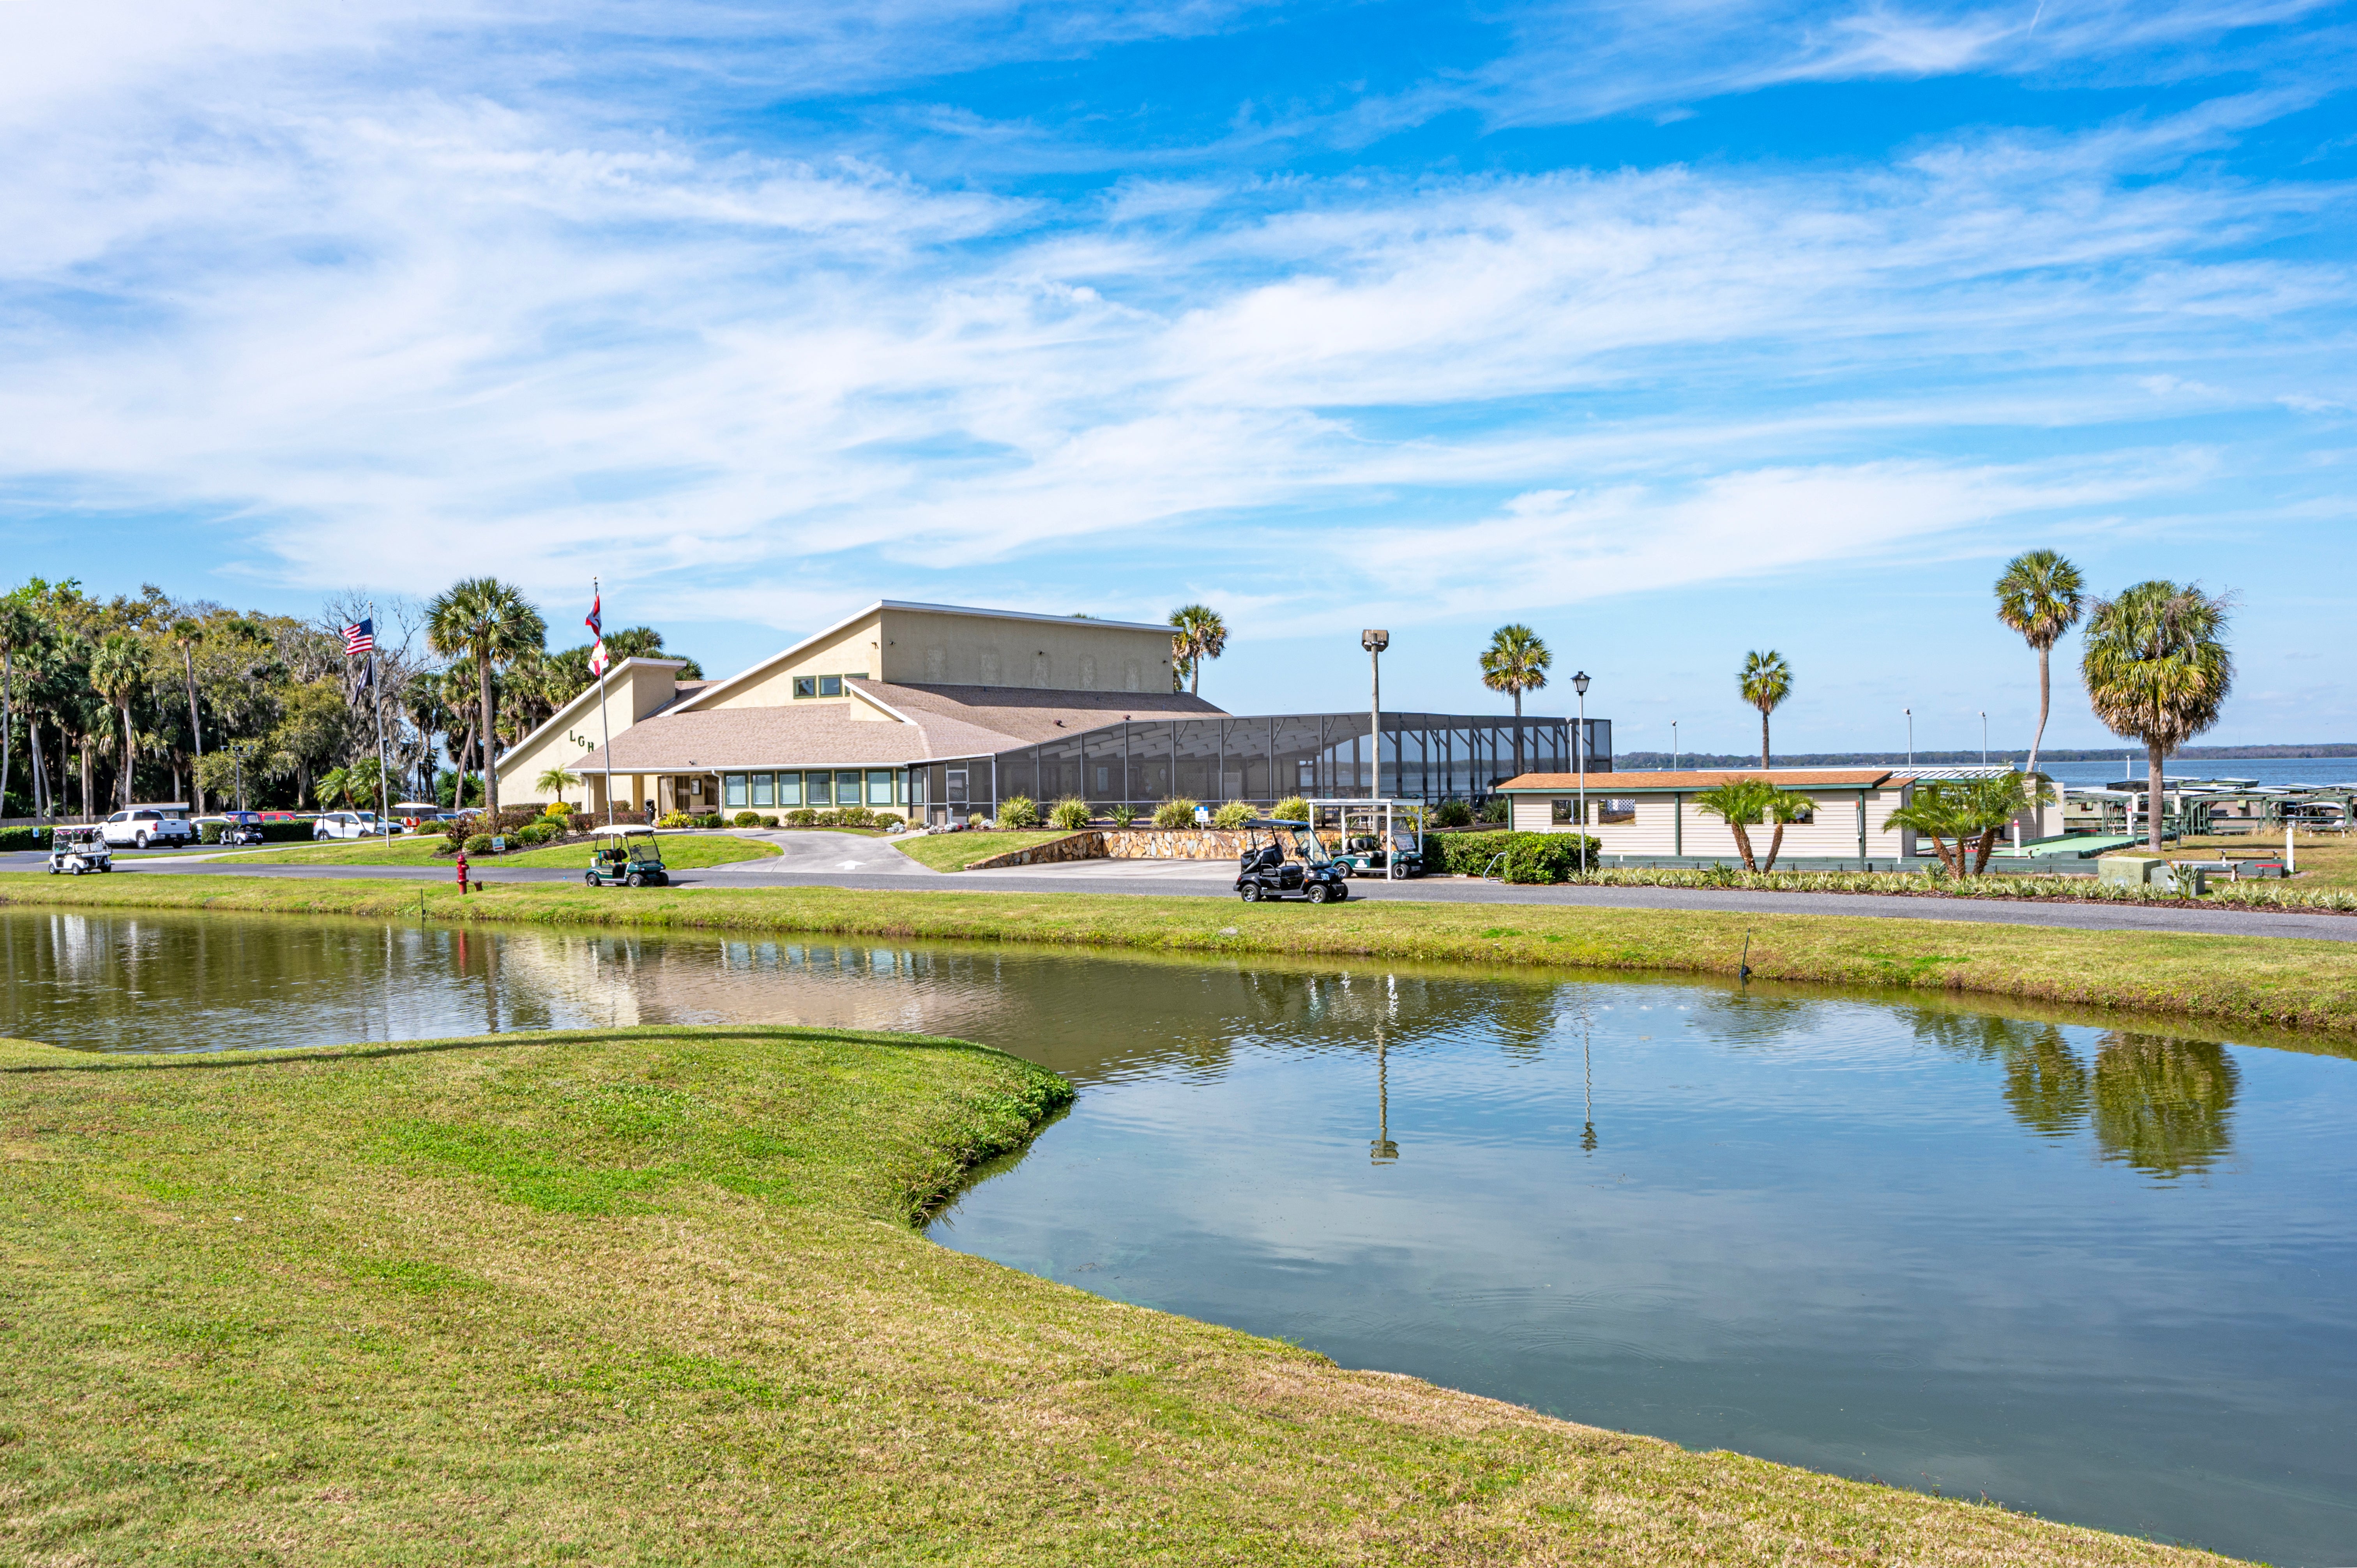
x=1265, y=873
x=627, y=855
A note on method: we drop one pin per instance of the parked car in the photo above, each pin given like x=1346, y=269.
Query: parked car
x=142, y=825
x=349, y=825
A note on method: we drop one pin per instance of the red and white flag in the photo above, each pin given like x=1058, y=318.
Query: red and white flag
x=597, y=659
x=595, y=621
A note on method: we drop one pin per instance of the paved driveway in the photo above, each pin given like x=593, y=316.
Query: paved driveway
x=847, y=860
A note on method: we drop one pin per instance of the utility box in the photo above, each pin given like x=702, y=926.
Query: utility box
x=2134, y=870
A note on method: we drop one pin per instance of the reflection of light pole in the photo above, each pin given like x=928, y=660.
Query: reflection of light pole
x=1579, y=685
x=1381, y=1151
x=1587, y=1086
x=1374, y=642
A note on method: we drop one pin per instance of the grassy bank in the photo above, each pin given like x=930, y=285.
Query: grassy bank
x=685, y=851
x=2227, y=979
x=655, y=1296
x=955, y=852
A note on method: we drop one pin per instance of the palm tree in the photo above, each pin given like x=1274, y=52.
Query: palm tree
x=187, y=633
x=556, y=780
x=117, y=670
x=1744, y=803
x=489, y=622
x=1765, y=682
x=1516, y=661
x=2157, y=671
x=1935, y=809
x=2040, y=594
x=19, y=629
x=1200, y=634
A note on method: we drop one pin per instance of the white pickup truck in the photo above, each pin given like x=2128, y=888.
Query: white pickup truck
x=142, y=825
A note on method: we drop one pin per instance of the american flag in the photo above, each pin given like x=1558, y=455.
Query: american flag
x=359, y=639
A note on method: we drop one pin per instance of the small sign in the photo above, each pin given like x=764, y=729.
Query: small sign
x=499, y=844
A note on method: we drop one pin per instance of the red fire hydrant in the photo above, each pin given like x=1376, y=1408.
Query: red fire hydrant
x=462, y=869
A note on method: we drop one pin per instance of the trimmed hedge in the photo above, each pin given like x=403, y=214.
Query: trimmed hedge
x=24, y=838
x=1530, y=858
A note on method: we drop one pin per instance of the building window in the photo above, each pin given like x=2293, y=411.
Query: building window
x=1808, y=816
x=830, y=685
x=764, y=792
x=953, y=787
x=821, y=790
x=847, y=789
x=805, y=685
x=732, y=790
x=1617, y=810
x=1564, y=811
x=790, y=788
x=879, y=786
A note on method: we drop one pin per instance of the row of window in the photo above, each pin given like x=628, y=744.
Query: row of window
x=843, y=787
x=824, y=685
x=1605, y=810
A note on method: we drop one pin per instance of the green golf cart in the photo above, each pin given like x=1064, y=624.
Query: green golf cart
x=625, y=855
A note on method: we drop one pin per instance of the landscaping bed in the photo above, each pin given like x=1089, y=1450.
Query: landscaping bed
x=655, y=1296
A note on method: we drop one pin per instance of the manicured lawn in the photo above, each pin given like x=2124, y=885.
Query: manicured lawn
x=684, y=851
x=2247, y=982
x=2325, y=860
x=955, y=852
x=655, y=1295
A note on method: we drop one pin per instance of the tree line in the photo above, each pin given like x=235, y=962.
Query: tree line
x=109, y=702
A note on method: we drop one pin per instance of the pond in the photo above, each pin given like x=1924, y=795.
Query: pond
x=2101, y=1273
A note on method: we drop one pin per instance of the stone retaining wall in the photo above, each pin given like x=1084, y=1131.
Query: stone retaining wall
x=1123, y=843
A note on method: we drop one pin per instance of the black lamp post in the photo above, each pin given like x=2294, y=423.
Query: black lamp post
x=1579, y=685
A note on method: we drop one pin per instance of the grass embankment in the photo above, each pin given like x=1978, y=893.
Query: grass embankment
x=684, y=851
x=2294, y=983
x=655, y=1296
x=955, y=852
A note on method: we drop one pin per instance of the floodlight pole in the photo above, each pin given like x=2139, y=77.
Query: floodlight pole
x=605, y=730
x=1984, y=737
x=1374, y=641
x=1910, y=736
x=1580, y=685
x=1674, y=745
x=383, y=779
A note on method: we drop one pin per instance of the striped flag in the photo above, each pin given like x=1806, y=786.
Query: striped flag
x=596, y=623
x=360, y=639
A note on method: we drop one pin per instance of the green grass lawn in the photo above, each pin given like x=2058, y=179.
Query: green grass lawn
x=681, y=851
x=655, y=1296
x=955, y=852
x=2246, y=981
x=2325, y=860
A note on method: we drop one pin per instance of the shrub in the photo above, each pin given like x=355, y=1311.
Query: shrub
x=1071, y=813
x=480, y=844
x=1530, y=858
x=769, y=821
x=746, y=820
x=711, y=820
x=856, y=817
x=1232, y=815
x=1020, y=812
x=1452, y=815
x=538, y=833
x=35, y=837
x=1175, y=813
x=830, y=818
x=558, y=809
x=890, y=821
x=977, y=819
x=1124, y=814
x=675, y=819
x=1292, y=809
x=1496, y=809
x=800, y=817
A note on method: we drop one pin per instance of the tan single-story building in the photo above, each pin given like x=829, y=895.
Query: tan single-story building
x=1652, y=816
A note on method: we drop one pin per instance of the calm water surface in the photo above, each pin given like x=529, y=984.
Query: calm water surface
x=2101, y=1274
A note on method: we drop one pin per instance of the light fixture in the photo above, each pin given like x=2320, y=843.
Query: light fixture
x=1374, y=641
x=1579, y=682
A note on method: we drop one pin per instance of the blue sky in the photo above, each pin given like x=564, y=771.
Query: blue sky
x=1674, y=329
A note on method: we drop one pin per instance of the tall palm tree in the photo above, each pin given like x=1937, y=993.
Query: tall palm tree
x=2040, y=594
x=1765, y=682
x=187, y=633
x=489, y=622
x=1516, y=661
x=117, y=670
x=1201, y=634
x=19, y=629
x=2157, y=669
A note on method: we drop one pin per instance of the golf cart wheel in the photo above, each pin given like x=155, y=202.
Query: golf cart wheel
x=1249, y=892
x=638, y=880
x=589, y=879
x=1319, y=893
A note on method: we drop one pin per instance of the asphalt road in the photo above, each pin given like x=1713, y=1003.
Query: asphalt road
x=845, y=860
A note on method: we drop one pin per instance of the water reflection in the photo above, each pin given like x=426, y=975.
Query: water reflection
x=2162, y=1105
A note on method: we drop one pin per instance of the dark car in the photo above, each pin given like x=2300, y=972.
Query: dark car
x=1266, y=872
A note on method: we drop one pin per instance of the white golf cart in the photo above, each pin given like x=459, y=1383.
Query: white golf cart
x=77, y=850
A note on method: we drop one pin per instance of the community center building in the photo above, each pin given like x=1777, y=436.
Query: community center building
x=942, y=710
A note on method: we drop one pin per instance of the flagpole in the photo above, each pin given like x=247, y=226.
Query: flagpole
x=384, y=781
x=604, y=732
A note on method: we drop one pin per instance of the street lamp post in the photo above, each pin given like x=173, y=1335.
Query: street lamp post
x=1374, y=642
x=1984, y=737
x=1910, y=736
x=1674, y=745
x=1579, y=685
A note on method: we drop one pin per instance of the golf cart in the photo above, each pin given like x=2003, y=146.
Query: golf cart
x=1265, y=873
x=627, y=855
x=79, y=850
x=240, y=828
x=1379, y=838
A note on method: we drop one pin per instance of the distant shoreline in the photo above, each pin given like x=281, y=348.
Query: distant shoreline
x=1637, y=760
